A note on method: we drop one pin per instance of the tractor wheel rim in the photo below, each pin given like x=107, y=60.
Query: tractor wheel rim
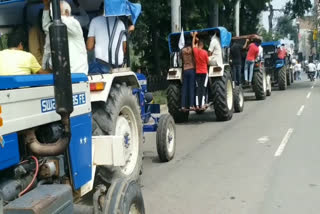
x=170, y=138
x=229, y=95
x=126, y=127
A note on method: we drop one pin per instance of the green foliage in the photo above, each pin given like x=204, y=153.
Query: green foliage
x=285, y=27
x=150, y=41
x=160, y=97
x=297, y=8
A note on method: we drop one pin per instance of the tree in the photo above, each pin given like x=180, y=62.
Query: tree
x=285, y=27
x=297, y=8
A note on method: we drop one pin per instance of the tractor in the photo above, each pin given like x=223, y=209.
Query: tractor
x=222, y=94
x=261, y=85
x=278, y=70
x=72, y=143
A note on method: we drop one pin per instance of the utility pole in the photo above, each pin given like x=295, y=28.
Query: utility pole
x=270, y=17
x=175, y=15
x=237, y=18
x=214, y=13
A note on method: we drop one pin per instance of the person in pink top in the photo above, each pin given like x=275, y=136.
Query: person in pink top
x=253, y=52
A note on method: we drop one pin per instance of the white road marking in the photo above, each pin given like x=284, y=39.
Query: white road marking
x=263, y=139
x=309, y=94
x=312, y=87
x=283, y=143
x=300, y=110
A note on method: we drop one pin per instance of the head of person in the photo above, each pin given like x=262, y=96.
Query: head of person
x=16, y=41
x=101, y=8
x=201, y=44
x=65, y=8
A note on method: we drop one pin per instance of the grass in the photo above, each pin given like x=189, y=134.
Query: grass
x=160, y=97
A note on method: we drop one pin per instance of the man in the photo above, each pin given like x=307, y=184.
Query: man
x=189, y=74
x=318, y=70
x=100, y=32
x=215, y=50
x=253, y=51
x=79, y=13
x=297, y=70
x=77, y=47
x=202, y=61
x=15, y=61
x=282, y=53
x=235, y=55
x=312, y=70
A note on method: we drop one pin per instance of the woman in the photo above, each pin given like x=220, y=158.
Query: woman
x=189, y=74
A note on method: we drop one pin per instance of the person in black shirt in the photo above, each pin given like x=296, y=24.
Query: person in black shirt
x=235, y=54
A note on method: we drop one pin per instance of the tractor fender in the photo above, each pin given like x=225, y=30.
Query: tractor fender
x=175, y=74
x=218, y=71
x=127, y=77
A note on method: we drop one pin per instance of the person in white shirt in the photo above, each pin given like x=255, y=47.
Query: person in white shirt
x=79, y=13
x=215, y=51
x=77, y=47
x=312, y=69
x=100, y=32
x=318, y=70
x=297, y=70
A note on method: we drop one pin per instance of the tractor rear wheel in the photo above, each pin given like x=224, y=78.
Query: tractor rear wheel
x=174, y=103
x=238, y=99
x=120, y=115
x=282, y=79
x=222, y=90
x=269, y=85
x=259, y=85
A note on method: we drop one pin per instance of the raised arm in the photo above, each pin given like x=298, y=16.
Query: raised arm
x=46, y=21
x=194, y=38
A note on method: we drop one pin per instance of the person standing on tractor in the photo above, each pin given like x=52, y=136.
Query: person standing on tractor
x=102, y=29
x=189, y=75
x=202, y=60
x=77, y=48
x=253, y=52
x=235, y=54
x=282, y=53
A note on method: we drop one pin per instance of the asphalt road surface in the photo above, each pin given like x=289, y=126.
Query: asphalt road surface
x=264, y=161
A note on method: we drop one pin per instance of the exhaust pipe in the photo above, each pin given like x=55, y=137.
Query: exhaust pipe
x=62, y=87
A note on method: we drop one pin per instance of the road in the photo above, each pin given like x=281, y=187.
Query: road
x=263, y=161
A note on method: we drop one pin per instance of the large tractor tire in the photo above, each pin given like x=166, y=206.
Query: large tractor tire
x=124, y=197
x=166, y=138
x=120, y=116
x=282, y=79
x=259, y=85
x=222, y=90
x=269, y=85
x=174, y=103
x=289, y=78
x=238, y=99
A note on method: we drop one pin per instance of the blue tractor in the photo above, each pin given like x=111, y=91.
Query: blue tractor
x=66, y=138
x=276, y=69
x=222, y=93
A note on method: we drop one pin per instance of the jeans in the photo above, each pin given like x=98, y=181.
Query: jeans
x=188, y=87
x=98, y=68
x=202, y=81
x=236, y=69
x=248, y=65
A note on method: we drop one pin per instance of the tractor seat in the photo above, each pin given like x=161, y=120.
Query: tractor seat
x=38, y=80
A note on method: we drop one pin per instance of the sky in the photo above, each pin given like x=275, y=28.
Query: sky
x=277, y=4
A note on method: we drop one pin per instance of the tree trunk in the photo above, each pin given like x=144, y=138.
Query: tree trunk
x=270, y=18
x=237, y=18
x=175, y=15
